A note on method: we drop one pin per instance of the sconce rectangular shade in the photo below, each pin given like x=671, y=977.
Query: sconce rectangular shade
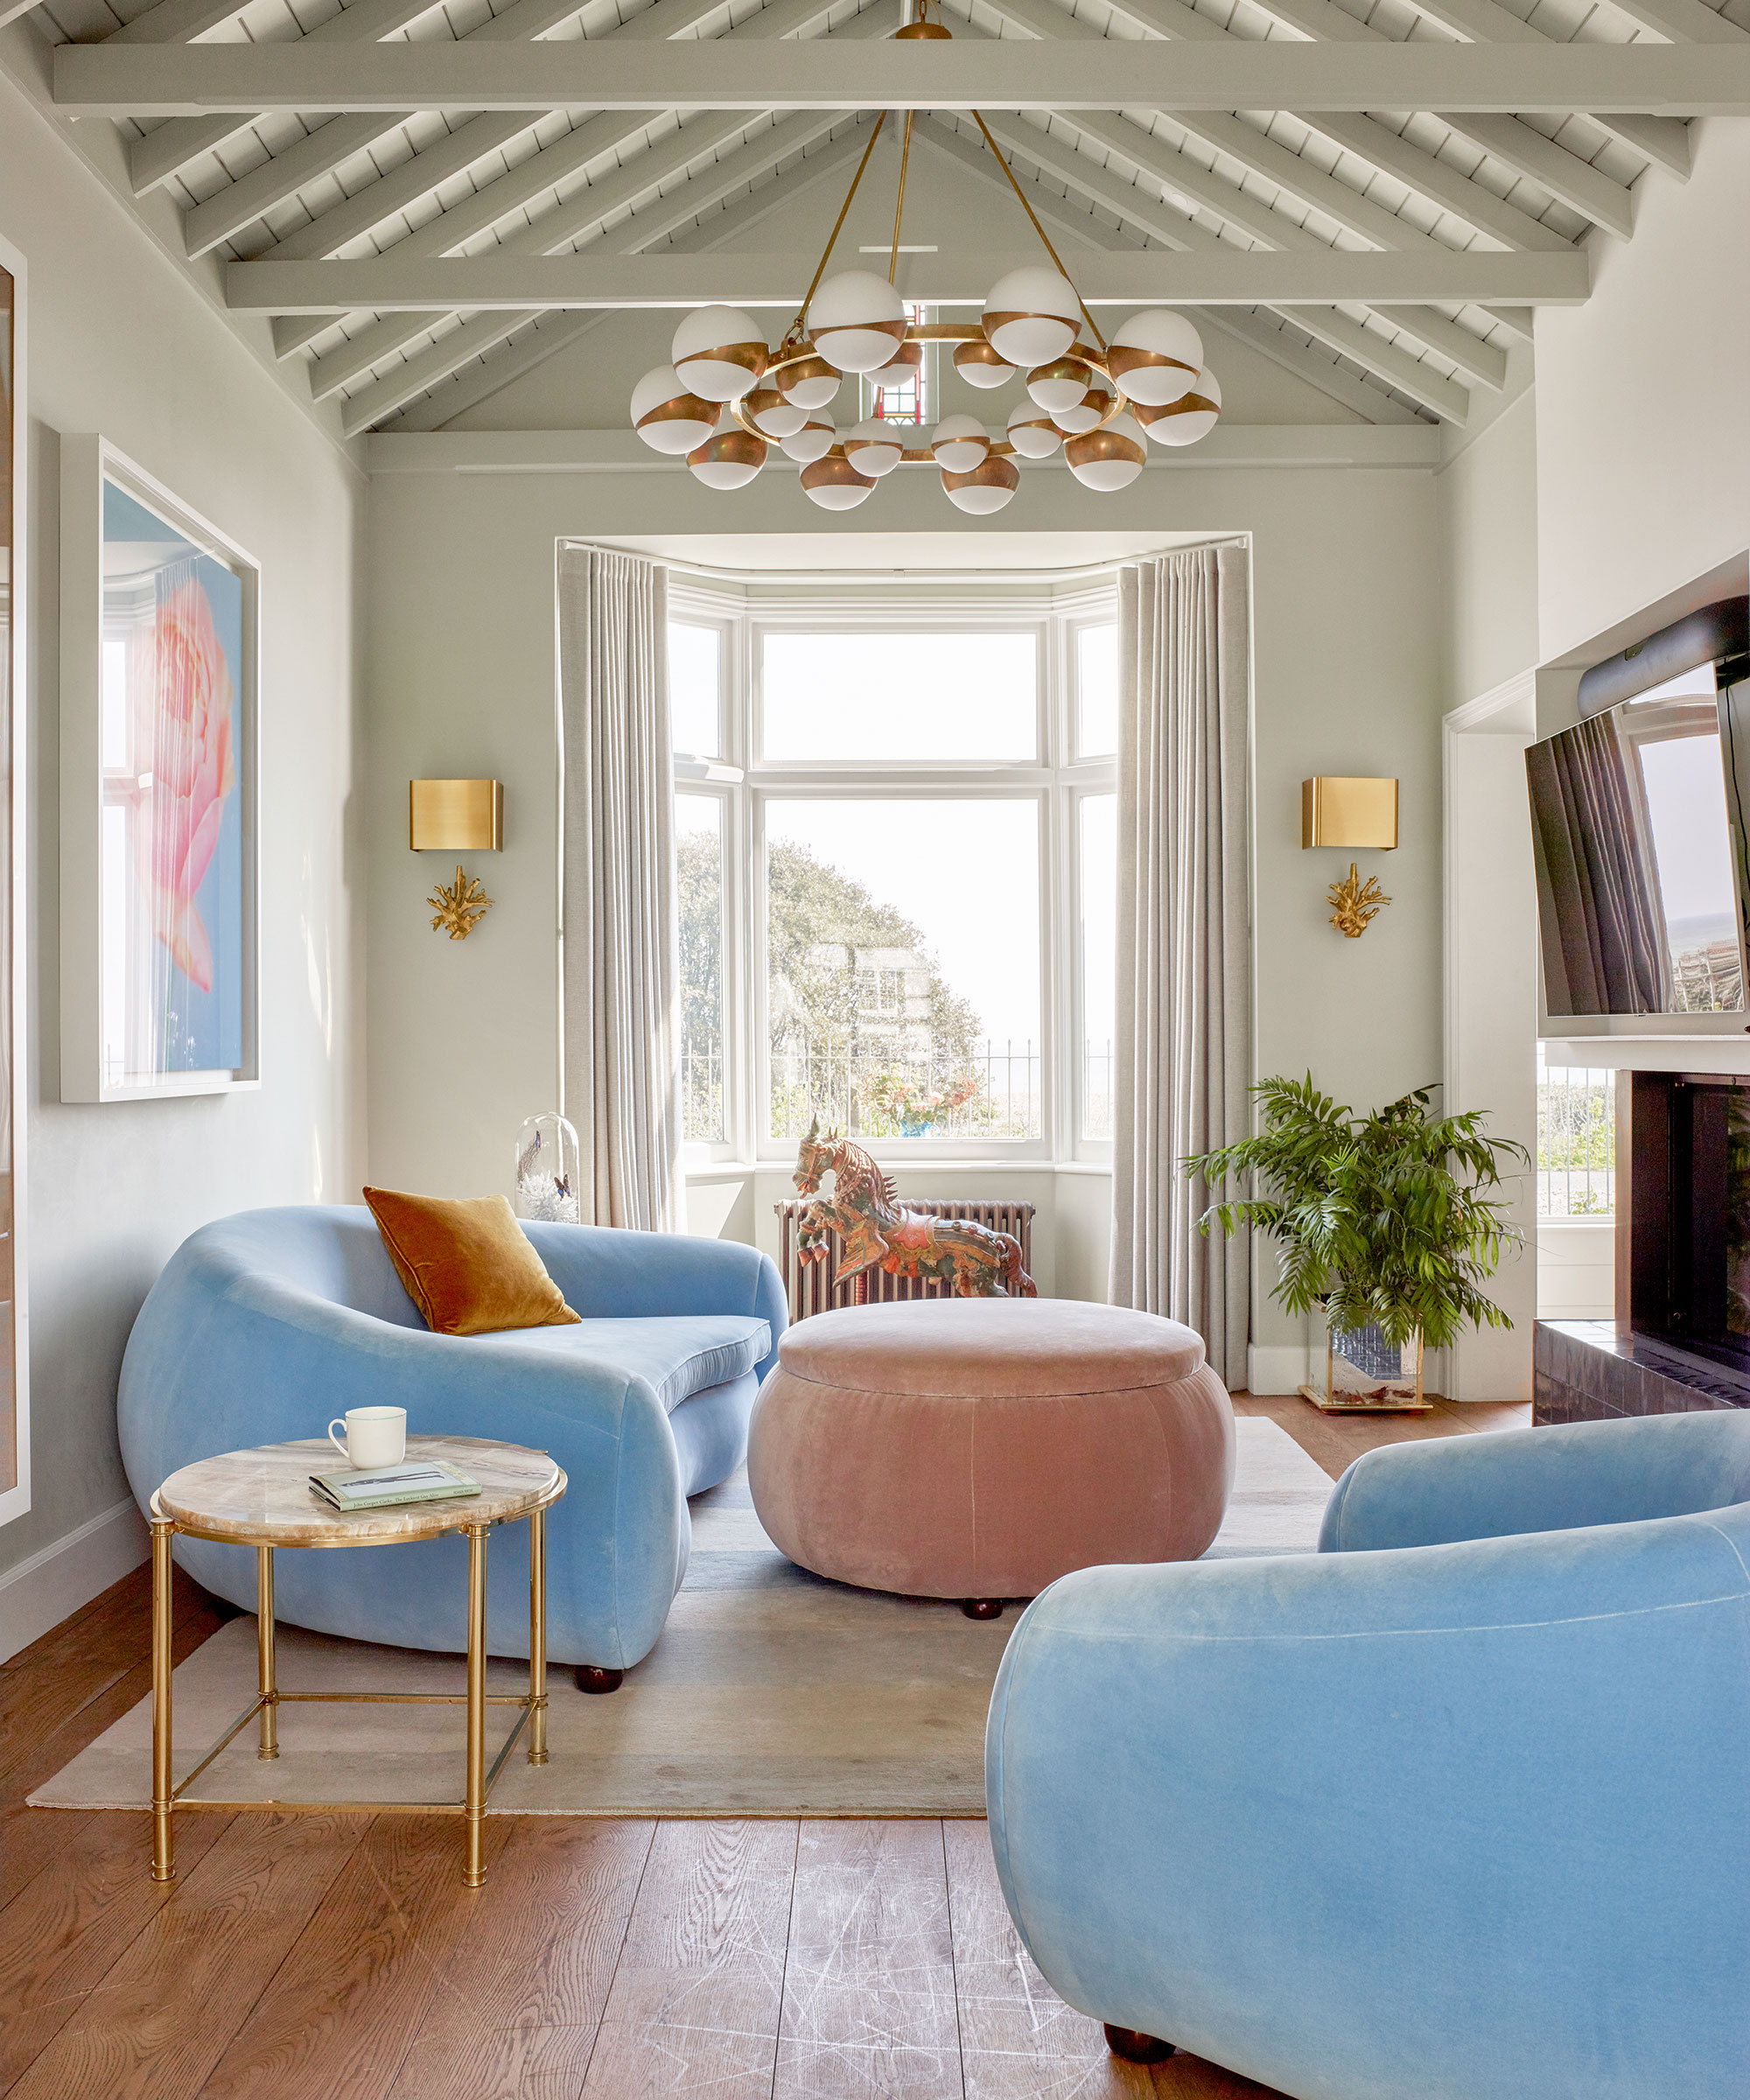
x=455, y=816
x=1340, y=812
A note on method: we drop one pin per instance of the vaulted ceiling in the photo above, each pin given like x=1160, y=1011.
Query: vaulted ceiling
x=430, y=200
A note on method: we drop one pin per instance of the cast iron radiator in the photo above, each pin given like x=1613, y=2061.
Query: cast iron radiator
x=814, y=1286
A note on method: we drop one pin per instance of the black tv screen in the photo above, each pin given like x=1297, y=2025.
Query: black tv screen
x=1638, y=843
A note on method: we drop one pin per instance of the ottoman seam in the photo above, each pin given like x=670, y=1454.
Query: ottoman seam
x=889, y=1392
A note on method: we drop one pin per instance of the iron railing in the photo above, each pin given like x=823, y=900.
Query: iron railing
x=891, y=1093
x=1575, y=1142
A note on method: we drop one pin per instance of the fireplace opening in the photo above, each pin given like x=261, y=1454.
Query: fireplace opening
x=1687, y=1214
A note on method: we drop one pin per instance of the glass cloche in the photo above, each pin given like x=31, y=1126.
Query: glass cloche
x=546, y=1162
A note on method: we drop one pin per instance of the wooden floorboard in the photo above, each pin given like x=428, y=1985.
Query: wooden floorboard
x=326, y=1955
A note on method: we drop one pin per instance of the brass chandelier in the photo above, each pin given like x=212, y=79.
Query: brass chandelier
x=725, y=398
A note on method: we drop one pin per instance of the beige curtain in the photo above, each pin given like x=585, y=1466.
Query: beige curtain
x=1182, y=1062
x=620, y=970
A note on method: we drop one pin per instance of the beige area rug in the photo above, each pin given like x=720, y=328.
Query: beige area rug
x=771, y=1692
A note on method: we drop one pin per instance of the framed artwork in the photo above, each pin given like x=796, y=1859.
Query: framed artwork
x=159, y=932
x=15, y=1417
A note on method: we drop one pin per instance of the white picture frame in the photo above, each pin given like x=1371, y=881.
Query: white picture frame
x=14, y=1332
x=160, y=627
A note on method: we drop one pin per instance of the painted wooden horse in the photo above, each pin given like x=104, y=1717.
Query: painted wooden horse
x=879, y=1232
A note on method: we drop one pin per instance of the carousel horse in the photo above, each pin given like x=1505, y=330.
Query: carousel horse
x=970, y=1260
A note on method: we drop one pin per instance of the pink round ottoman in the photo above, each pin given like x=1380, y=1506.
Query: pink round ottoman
x=981, y=1447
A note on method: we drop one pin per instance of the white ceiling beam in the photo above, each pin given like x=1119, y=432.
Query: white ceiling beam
x=1484, y=362
x=1481, y=21
x=1682, y=21
x=1438, y=180
x=175, y=21
x=1164, y=162
x=311, y=76
x=385, y=284
x=1348, y=388
x=1663, y=139
x=1517, y=320
x=1444, y=397
x=1582, y=187
x=406, y=382
x=492, y=375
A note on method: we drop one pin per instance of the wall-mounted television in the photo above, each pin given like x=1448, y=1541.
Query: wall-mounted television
x=1638, y=834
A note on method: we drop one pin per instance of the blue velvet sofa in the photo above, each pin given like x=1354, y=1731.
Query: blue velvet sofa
x=1456, y=1808
x=265, y=1326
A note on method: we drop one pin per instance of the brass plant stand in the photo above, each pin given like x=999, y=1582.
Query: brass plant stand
x=262, y=1498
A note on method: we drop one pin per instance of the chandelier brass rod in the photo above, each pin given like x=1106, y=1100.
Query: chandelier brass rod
x=797, y=326
x=899, y=201
x=1039, y=230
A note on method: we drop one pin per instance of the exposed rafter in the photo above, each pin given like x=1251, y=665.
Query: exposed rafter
x=314, y=75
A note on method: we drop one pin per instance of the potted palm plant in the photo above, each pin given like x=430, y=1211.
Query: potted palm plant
x=1391, y=1222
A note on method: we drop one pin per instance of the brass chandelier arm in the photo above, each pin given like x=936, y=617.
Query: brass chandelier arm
x=798, y=325
x=899, y=201
x=1039, y=230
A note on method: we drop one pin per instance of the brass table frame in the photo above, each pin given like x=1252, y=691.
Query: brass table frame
x=170, y=1796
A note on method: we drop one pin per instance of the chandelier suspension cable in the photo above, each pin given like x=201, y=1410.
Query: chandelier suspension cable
x=799, y=324
x=900, y=201
x=1039, y=230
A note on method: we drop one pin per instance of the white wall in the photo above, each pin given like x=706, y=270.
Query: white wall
x=119, y=343
x=1347, y=620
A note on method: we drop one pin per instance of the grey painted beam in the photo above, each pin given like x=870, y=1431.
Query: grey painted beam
x=471, y=283
x=1446, y=397
x=191, y=81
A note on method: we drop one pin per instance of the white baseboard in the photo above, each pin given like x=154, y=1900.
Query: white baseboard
x=51, y=1585
x=1275, y=1367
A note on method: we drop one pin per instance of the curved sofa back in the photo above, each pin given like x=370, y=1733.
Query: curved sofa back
x=332, y=1251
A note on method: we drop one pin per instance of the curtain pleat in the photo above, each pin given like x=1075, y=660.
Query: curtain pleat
x=620, y=966
x=1182, y=1054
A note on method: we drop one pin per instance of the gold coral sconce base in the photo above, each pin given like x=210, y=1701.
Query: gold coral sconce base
x=1354, y=904
x=460, y=907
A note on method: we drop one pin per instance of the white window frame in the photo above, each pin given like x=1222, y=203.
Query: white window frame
x=1056, y=780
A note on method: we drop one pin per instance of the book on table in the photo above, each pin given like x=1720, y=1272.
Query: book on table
x=383, y=1486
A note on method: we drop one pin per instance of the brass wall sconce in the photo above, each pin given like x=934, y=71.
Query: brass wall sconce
x=456, y=817
x=1340, y=810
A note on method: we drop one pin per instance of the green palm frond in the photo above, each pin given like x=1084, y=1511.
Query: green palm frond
x=1389, y=1220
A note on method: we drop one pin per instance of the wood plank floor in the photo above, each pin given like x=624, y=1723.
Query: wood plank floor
x=316, y=1957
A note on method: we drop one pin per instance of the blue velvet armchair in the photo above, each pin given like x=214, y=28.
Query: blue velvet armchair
x=1456, y=1808
x=265, y=1325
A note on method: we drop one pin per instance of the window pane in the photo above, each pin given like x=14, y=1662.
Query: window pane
x=1096, y=944
x=1097, y=690
x=1576, y=1141
x=904, y=996
x=698, y=847
x=887, y=698
x=695, y=683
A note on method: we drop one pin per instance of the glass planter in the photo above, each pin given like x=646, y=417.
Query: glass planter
x=1364, y=1372
x=546, y=1166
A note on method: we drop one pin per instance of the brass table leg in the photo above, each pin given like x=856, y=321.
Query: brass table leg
x=474, y=1872
x=267, y=1684
x=537, y=1638
x=163, y=1844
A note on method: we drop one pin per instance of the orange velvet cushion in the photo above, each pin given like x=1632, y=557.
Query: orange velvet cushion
x=467, y=1263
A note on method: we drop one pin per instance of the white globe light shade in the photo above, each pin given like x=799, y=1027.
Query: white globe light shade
x=981, y=366
x=1059, y=383
x=728, y=459
x=1109, y=459
x=874, y=447
x=858, y=320
x=1032, y=432
x=1193, y=416
x=1156, y=356
x=834, y=483
x=771, y=415
x=904, y=361
x=958, y=443
x=1031, y=316
x=720, y=352
x=1090, y=411
x=806, y=380
x=986, y=489
x=667, y=416
x=815, y=438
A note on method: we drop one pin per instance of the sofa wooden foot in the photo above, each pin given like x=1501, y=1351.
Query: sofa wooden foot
x=982, y=1607
x=1135, y=2048
x=592, y=1679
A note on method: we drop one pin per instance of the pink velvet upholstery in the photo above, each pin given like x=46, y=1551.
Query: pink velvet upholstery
x=983, y=1446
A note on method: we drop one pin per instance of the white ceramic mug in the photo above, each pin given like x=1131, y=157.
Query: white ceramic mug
x=375, y=1436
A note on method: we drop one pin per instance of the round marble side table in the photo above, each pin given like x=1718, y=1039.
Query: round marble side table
x=263, y=1499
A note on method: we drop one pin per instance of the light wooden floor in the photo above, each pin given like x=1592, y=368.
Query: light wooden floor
x=317, y=1957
